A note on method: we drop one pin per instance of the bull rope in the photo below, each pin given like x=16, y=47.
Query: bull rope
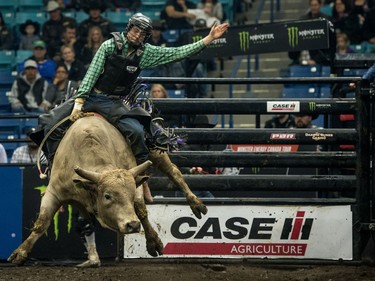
x=42, y=174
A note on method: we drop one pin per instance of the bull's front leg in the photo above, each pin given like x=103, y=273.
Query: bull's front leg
x=162, y=162
x=154, y=245
x=48, y=207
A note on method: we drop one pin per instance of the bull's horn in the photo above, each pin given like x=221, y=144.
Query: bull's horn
x=140, y=169
x=89, y=175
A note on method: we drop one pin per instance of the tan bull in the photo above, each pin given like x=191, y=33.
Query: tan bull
x=95, y=169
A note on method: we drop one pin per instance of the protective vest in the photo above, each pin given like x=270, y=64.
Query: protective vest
x=119, y=72
x=37, y=90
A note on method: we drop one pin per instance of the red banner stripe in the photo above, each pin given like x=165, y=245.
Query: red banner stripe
x=235, y=249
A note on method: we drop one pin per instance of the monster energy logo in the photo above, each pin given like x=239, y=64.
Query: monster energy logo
x=197, y=38
x=56, y=229
x=255, y=170
x=293, y=36
x=244, y=40
x=312, y=105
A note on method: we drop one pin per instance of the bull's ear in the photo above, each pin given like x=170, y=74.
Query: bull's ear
x=89, y=175
x=140, y=169
x=88, y=185
x=139, y=180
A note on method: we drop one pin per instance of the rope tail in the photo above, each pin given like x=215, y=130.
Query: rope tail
x=42, y=174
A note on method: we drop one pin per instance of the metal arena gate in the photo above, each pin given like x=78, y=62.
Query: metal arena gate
x=335, y=187
x=261, y=214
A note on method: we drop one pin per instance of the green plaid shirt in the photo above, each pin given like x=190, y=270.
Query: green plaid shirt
x=152, y=56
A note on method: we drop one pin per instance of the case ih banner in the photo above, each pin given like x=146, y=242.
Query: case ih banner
x=267, y=38
x=308, y=232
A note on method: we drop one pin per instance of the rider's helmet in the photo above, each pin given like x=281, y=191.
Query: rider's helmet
x=141, y=21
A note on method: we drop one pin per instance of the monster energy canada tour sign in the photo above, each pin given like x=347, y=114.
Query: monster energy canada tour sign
x=267, y=38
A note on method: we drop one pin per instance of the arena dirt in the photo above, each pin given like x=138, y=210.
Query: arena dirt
x=143, y=270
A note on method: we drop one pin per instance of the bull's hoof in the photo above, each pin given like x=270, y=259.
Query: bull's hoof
x=197, y=206
x=155, y=247
x=89, y=264
x=18, y=257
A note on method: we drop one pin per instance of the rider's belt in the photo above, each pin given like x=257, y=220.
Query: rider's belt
x=104, y=94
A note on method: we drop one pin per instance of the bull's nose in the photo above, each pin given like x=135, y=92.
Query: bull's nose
x=133, y=227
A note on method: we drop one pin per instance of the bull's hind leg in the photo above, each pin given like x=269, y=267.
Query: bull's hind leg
x=163, y=163
x=153, y=243
x=48, y=207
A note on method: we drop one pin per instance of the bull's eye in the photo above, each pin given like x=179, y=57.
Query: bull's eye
x=107, y=196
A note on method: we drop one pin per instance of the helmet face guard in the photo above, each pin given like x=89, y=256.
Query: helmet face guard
x=141, y=21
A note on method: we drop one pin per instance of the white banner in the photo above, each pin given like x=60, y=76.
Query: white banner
x=301, y=232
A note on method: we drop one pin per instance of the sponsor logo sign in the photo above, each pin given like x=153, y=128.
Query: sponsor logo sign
x=292, y=36
x=283, y=106
x=302, y=232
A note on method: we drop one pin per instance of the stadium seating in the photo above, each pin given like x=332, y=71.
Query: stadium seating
x=22, y=55
x=300, y=91
x=176, y=94
x=153, y=15
x=8, y=6
x=304, y=71
x=30, y=6
x=171, y=35
x=80, y=16
x=21, y=17
x=152, y=5
x=119, y=19
x=9, y=18
x=4, y=102
x=7, y=59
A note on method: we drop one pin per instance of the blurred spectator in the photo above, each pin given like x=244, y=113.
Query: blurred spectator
x=69, y=38
x=205, y=13
x=124, y=5
x=6, y=35
x=176, y=14
x=94, y=40
x=53, y=28
x=344, y=20
x=342, y=44
x=60, y=88
x=94, y=9
x=67, y=5
x=3, y=154
x=280, y=121
x=158, y=91
x=46, y=66
x=29, y=90
x=217, y=8
x=304, y=120
x=157, y=38
x=27, y=153
x=368, y=27
x=195, y=67
x=314, y=56
x=29, y=34
x=77, y=69
x=360, y=8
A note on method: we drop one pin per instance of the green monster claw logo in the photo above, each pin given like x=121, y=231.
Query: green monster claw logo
x=197, y=38
x=244, y=40
x=255, y=170
x=293, y=36
x=312, y=105
x=42, y=189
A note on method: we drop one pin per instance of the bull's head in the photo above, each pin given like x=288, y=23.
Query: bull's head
x=115, y=191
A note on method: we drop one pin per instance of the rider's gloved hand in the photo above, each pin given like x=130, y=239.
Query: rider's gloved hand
x=77, y=109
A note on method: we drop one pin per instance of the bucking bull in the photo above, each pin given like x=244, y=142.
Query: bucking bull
x=95, y=169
